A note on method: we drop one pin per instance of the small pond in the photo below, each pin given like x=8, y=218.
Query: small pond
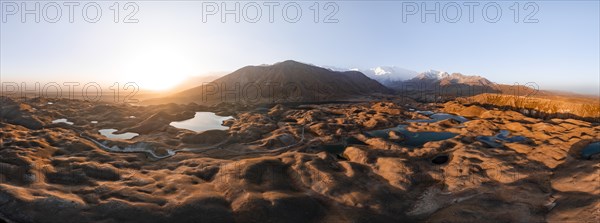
x=436, y=117
x=109, y=133
x=590, y=150
x=203, y=121
x=412, y=139
x=499, y=139
x=62, y=120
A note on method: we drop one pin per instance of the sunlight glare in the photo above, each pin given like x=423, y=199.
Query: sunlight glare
x=158, y=67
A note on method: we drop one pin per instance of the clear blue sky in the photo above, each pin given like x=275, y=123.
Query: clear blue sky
x=171, y=41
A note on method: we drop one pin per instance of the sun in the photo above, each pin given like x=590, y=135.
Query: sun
x=157, y=67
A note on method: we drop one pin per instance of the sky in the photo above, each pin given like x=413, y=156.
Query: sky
x=558, y=47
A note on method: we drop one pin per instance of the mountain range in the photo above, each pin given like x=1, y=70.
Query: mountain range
x=387, y=75
x=287, y=81
x=393, y=77
x=292, y=81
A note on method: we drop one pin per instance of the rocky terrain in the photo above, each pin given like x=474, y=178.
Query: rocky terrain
x=545, y=106
x=301, y=163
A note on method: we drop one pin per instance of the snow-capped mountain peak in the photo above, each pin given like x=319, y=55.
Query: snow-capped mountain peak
x=388, y=74
x=382, y=74
x=433, y=74
x=380, y=71
x=443, y=78
x=392, y=75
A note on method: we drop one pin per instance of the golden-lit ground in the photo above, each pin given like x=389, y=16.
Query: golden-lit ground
x=283, y=164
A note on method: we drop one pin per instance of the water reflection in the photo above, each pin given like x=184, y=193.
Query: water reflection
x=62, y=120
x=410, y=139
x=436, y=117
x=498, y=140
x=590, y=150
x=203, y=121
x=109, y=133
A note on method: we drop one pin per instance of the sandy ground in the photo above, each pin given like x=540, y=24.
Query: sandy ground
x=278, y=165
